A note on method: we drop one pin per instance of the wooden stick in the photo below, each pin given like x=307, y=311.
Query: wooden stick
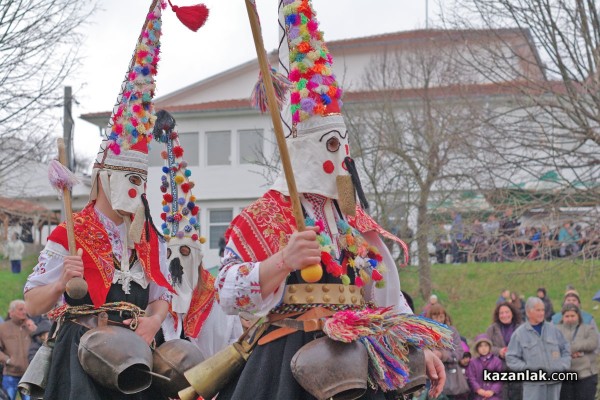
x=76, y=287
x=275, y=116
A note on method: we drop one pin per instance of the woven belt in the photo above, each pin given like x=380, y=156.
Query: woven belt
x=323, y=293
x=91, y=321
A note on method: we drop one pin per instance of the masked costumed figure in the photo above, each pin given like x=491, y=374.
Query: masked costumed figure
x=264, y=256
x=122, y=259
x=194, y=313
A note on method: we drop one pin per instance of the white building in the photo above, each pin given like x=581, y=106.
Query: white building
x=222, y=134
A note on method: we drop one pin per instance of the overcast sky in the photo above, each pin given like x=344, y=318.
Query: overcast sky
x=224, y=42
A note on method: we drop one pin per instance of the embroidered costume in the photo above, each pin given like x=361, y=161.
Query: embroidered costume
x=124, y=265
x=359, y=273
x=194, y=313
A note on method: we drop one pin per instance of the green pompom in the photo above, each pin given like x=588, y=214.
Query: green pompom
x=380, y=284
x=345, y=279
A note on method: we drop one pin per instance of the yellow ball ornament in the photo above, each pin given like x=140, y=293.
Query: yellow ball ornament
x=312, y=273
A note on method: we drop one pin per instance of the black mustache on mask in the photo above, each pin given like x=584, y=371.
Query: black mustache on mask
x=349, y=162
x=176, y=271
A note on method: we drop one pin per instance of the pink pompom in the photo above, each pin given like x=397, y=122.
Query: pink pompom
x=114, y=147
x=294, y=75
x=295, y=98
x=296, y=117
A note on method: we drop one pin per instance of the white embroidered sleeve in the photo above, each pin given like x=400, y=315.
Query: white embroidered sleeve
x=158, y=292
x=238, y=286
x=49, y=267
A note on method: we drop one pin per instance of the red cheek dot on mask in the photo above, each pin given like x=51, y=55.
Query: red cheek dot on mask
x=328, y=167
x=347, y=150
x=132, y=193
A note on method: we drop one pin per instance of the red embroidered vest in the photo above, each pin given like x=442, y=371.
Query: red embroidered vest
x=263, y=227
x=98, y=267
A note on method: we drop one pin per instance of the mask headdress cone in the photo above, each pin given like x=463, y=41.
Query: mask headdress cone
x=315, y=131
x=180, y=214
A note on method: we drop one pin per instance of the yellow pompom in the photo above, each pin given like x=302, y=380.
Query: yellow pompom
x=179, y=179
x=202, y=239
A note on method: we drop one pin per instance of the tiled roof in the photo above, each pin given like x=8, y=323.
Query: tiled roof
x=430, y=35
x=24, y=208
x=492, y=89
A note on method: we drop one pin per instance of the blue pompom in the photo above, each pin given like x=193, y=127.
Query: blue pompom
x=170, y=218
x=165, y=170
x=191, y=205
x=181, y=201
x=188, y=173
x=326, y=99
x=164, y=225
x=145, y=71
x=164, y=177
x=373, y=262
x=291, y=19
x=187, y=228
x=166, y=208
x=193, y=221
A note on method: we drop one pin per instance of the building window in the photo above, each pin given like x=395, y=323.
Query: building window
x=218, y=222
x=250, y=145
x=218, y=148
x=189, y=141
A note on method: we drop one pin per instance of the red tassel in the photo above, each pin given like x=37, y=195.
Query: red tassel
x=191, y=16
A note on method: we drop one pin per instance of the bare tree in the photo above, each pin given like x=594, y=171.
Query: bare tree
x=547, y=158
x=38, y=50
x=554, y=121
x=412, y=142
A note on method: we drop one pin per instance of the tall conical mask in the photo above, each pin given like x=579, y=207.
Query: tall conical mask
x=180, y=214
x=123, y=154
x=315, y=131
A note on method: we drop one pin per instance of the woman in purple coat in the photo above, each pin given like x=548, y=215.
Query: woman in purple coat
x=485, y=360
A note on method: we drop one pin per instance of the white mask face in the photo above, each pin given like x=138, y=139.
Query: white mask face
x=317, y=159
x=124, y=189
x=184, y=257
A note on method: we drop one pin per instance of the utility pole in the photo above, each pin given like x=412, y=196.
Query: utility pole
x=68, y=127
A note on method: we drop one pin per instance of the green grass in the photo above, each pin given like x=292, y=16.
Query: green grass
x=469, y=291
x=11, y=285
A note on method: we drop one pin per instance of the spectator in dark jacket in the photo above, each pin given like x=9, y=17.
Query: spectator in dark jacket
x=484, y=360
x=506, y=320
x=548, y=309
x=450, y=357
x=39, y=337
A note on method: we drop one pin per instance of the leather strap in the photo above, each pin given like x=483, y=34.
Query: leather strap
x=312, y=320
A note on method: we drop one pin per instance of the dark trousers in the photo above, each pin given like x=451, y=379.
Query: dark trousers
x=15, y=266
x=583, y=389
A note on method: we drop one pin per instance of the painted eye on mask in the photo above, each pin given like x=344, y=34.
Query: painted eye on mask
x=135, y=179
x=333, y=144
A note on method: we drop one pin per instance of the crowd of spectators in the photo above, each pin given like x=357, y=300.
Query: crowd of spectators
x=523, y=336
x=506, y=239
